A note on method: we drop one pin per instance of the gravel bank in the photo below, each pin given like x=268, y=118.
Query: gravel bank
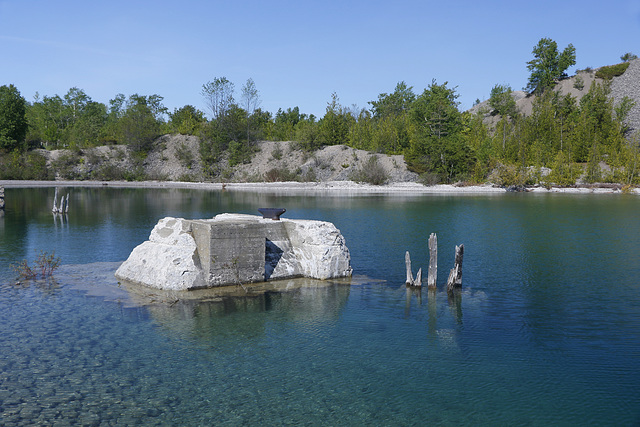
x=628, y=84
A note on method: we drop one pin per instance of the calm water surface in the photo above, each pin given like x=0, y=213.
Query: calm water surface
x=546, y=330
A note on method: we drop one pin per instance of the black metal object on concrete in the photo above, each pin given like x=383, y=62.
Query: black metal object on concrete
x=272, y=213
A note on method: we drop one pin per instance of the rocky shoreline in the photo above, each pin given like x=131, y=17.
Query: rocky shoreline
x=336, y=188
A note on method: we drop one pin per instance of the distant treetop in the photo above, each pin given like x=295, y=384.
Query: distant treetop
x=548, y=65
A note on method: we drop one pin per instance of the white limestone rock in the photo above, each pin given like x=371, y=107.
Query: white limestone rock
x=231, y=249
x=168, y=260
x=320, y=249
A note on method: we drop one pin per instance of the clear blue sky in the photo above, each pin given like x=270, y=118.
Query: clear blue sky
x=297, y=52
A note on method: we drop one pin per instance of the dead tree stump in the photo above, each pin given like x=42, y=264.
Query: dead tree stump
x=418, y=281
x=407, y=261
x=433, y=261
x=455, y=275
x=410, y=280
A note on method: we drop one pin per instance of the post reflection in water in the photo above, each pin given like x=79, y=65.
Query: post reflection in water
x=454, y=303
x=544, y=331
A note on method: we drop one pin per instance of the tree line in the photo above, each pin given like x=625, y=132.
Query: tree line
x=438, y=141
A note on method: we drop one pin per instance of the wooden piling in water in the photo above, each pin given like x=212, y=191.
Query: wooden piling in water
x=1, y=198
x=433, y=261
x=407, y=262
x=410, y=280
x=418, y=281
x=455, y=275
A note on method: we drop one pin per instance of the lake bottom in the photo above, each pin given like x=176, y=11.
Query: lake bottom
x=373, y=353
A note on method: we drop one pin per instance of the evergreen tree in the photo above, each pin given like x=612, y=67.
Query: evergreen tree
x=334, y=126
x=437, y=142
x=394, y=104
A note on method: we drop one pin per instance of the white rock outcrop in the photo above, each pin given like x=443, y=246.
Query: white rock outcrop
x=168, y=260
x=232, y=249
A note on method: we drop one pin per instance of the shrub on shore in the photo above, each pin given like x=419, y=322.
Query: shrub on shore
x=281, y=175
x=26, y=166
x=371, y=172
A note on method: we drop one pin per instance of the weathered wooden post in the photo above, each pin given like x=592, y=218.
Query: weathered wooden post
x=1, y=198
x=459, y=254
x=433, y=261
x=455, y=275
x=407, y=261
x=410, y=280
x=418, y=281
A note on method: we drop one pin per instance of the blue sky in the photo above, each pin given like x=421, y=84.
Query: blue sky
x=298, y=53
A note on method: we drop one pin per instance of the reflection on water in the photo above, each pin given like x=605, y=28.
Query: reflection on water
x=544, y=331
x=201, y=313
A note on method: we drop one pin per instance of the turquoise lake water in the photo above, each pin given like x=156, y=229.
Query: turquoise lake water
x=546, y=330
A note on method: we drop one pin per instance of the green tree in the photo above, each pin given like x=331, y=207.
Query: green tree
x=53, y=120
x=139, y=125
x=36, y=119
x=13, y=118
x=598, y=133
x=622, y=110
x=154, y=102
x=308, y=133
x=502, y=102
x=83, y=120
x=548, y=65
x=543, y=131
x=250, y=102
x=476, y=136
x=226, y=133
x=74, y=103
x=186, y=120
x=628, y=57
x=284, y=124
x=70, y=121
x=261, y=122
x=394, y=104
x=89, y=127
x=566, y=112
x=437, y=142
x=116, y=110
x=218, y=95
x=117, y=106
x=234, y=123
x=334, y=126
x=361, y=132
x=390, y=132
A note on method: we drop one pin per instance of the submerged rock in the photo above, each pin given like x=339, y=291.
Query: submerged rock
x=235, y=249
